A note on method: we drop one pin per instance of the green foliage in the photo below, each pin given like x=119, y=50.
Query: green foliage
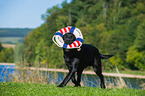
x=19, y=53
x=62, y=21
x=112, y=26
x=140, y=8
x=140, y=39
x=1, y=46
x=6, y=54
x=135, y=59
x=116, y=61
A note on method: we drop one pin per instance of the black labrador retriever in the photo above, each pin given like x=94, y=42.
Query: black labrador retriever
x=78, y=59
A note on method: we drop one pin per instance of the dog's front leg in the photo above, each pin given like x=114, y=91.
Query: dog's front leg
x=71, y=73
x=73, y=77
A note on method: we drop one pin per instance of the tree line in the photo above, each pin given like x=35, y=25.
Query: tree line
x=113, y=26
x=6, y=54
x=14, y=32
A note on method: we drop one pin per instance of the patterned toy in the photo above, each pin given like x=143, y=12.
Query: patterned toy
x=58, y=38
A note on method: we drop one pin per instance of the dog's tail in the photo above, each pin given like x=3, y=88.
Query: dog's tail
x=105, y=56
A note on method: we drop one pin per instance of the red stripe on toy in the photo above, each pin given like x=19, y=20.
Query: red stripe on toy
x=74, y=44
x=65, y=30
x=78, y=42
x=70, y=45
x=61, y=31
x=68, y=28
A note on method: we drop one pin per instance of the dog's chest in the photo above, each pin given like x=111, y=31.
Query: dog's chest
x=69, y=55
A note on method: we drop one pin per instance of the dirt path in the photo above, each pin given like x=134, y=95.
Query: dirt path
x=9, y=45
x=91, y=73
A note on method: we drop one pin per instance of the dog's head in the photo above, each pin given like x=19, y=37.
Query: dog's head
x=69, y=38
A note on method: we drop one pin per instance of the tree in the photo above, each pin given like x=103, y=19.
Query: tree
x=19, y=53
x=113, y=26
x=6, y=55
x=3, y=57
x=140, y=39
x=1, y=46
x=135, y=59
x=116, y=61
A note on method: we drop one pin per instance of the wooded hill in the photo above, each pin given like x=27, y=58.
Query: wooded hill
x=113, y=26
x=14, y=32
x=13, y=35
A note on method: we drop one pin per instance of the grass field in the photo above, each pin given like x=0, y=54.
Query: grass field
x=31, y=89
x=11, y=40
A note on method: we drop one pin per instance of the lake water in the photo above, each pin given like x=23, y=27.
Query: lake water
x=87, y=80
x=5, y=71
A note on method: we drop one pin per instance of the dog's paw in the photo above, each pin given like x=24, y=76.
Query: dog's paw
x=78, y=85
x=103, y=86
x=60, y=86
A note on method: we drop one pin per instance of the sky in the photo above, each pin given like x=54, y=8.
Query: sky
x=24, y=13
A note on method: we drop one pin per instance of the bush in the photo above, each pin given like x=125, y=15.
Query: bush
x=6, y=54
x=135, y=59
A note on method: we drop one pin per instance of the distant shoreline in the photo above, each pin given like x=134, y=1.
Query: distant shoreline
x=84, y=72
x=7, y=64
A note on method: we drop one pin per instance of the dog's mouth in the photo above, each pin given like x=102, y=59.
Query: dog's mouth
x=68, y=42
x=69, y=38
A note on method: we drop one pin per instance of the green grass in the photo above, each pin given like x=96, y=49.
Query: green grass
x=31, y=89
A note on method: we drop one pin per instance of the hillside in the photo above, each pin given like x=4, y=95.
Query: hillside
x=113, y=26
x=14, y=32
x=13, y=35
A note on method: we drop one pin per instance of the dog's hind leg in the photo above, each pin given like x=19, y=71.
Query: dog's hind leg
x=98, y=70
x=77, y=82
x=79, y=73
x=74, y=79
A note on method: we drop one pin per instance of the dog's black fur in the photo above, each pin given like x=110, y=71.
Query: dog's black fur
x=77, y=60
x=69, y=38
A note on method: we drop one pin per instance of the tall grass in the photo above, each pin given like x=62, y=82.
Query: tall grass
x=27, y=75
